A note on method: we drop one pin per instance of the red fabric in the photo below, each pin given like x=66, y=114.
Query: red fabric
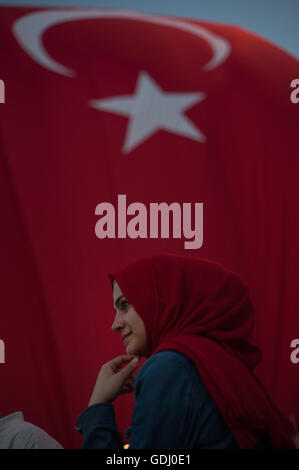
x=60, y=157
x=202, y=310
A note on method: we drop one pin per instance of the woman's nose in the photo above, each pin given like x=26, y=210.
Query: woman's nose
x=118, y=323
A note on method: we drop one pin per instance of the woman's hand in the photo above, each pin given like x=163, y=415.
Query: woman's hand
x=113, y=379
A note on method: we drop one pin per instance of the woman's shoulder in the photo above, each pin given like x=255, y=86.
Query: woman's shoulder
x=169, y=363
x=170, y=357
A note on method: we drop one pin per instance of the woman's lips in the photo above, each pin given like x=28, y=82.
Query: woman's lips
x=126, y=336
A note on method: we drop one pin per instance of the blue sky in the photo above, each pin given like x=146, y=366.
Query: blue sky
x=276, y=20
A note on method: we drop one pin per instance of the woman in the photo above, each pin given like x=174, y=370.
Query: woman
x=192, y=319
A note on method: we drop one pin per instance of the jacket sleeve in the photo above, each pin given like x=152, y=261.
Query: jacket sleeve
x=98, y=427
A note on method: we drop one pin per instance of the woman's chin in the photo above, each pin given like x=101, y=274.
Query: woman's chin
x=130, y=349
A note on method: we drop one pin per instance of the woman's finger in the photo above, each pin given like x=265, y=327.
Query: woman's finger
x=116, y=364
x=129, y=368
x=119, y=360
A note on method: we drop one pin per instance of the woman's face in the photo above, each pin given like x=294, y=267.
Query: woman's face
x=129, y=324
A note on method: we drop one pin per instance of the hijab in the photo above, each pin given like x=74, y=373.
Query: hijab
x=202, y=310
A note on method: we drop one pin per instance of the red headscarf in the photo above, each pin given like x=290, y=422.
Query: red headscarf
x=202, y=310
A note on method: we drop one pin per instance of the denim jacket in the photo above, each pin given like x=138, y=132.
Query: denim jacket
x=173, y=410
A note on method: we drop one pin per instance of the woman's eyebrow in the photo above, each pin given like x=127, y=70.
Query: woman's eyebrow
x=117, y=300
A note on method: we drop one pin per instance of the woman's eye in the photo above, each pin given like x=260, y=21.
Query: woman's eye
x=125, y=304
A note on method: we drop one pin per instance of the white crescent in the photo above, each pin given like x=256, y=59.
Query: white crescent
x=30, y=28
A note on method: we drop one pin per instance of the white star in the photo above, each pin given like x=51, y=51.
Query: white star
x=151, y=109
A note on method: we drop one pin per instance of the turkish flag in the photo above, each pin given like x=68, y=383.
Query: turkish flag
x=101, y=103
